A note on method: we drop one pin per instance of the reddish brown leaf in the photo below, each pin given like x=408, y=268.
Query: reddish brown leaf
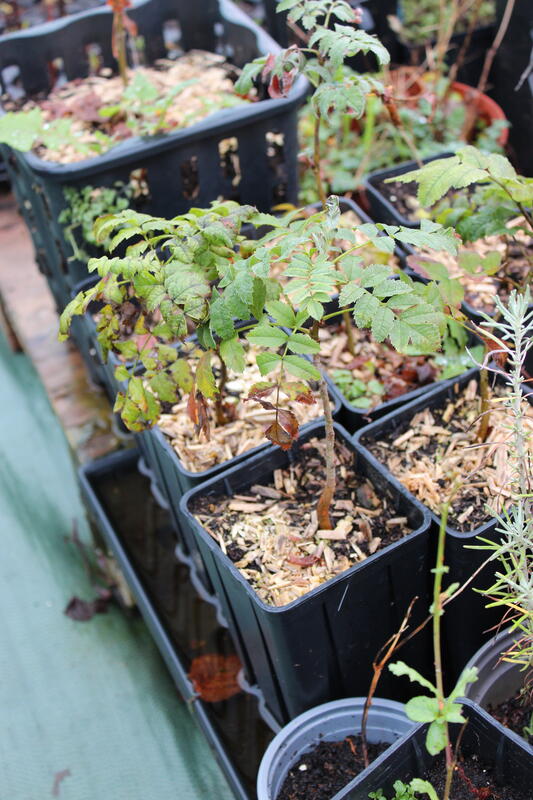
x=274, y=89
x=269, y=65
x=284, y=430
x=278, y=435
x=299, y=392
x=203, y=419
x=496, y=348
x=192, y=406
x=289, y=422
x=261, y=389
x=214, y=677
x=288, y=80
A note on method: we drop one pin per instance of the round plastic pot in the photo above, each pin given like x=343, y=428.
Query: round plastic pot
x=507, y=756
x=167, y=159
x=320, y=646
x=498, y=680
x=467, y=620
x=330, y=722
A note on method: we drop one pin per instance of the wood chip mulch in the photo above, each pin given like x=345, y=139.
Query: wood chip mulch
x=271, y=532
x=81, y=100
x=480, y=289
x=436, y=447
x=244, y=432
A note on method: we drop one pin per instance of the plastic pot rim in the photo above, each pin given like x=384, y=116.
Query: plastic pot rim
x=307, y=721
x=270, y=609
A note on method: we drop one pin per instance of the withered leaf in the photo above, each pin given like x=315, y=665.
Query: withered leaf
x=214, y=677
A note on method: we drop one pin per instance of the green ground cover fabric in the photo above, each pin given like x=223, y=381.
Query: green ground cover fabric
x=91, y=698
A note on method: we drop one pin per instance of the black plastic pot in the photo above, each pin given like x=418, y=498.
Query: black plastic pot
x=508, y=758
x=320, y=646
x=331, y=722
x=498, y=680
x=354, y=418
x=267, y=177
x=466, y=620
x=138, y=534
x=381, y=208
x=174, y=480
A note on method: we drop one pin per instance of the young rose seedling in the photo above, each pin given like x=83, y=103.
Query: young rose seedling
x=282, y=280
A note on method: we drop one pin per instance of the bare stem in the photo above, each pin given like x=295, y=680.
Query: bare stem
x=491, y=53
x=316, y=161
x=484, y=423
x=458, y=63
x=120, y=39
x=378, y=665
x=349, y=331
x=437, y=653
x=324, y=501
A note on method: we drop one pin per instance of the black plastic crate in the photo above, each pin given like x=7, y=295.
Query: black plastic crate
x=137, y=532
x=320, y=646
x=265, y=131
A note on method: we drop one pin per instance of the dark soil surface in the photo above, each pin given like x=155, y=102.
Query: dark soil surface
x=515, y=715
x=328, y=768
x=402, y=196
x=473, y=780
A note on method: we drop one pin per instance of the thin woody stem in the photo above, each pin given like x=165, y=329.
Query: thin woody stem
x=328, y=492
x=484, y=424
x=316, y=161
x=378, y=666
x=437, y=653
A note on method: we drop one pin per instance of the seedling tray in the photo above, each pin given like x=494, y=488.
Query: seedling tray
x=268, y=173
x=138, y=534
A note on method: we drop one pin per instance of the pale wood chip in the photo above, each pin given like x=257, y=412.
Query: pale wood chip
x=394, y=521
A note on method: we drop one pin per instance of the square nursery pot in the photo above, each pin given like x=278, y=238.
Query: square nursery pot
x=466, y=620
x=508, y=758
x=354, y=418
x=173, y=480
x=320, y=646
x=381, y=208
x=137, y=533
x=182, y=168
